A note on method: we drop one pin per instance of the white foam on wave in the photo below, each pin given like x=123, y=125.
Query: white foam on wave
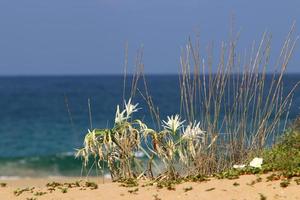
x=10, y=177
x=107, y=176
x=68, y=153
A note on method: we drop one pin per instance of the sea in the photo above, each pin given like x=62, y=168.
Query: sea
x=43, y=119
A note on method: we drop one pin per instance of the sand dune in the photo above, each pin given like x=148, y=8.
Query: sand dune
x=246, y=187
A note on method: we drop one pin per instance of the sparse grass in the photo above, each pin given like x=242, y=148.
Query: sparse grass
x=235, y=105
x=63, y=187
x=19, y=191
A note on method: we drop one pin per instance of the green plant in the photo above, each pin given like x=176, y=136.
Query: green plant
x=284, y=183
x=285, y=155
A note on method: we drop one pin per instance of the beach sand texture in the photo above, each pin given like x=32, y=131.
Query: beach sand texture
x=246, y=187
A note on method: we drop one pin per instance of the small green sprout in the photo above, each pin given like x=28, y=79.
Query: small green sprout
x=235, y=184
x=3, y=184
x=31, y=198
x=64, y=190
x=156, y=197
x=262, y=197
x=19, y=191
x=186, y=189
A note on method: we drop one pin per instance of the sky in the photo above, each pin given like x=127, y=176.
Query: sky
x=73, y=37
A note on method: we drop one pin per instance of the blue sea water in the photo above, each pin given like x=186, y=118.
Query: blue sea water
x=44, y=119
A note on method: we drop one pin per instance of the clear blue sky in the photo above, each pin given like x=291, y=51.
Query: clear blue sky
x=88, y=36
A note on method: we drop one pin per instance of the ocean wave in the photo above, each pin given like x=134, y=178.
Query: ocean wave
x=59, y=164
x=34, y=166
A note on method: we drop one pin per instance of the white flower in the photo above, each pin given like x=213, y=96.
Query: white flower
x=130, y=108
x=89, y=141
x=173, y=123
x=119, y=117
x=239, y=166
x=193, y=131
x=256, y=162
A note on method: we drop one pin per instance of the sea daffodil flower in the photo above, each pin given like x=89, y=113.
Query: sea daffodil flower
x=130, y=108
x=173, y=123
x=193, y=131
x=119, y=117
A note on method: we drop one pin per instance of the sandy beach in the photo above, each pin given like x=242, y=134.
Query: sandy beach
x=246, y=187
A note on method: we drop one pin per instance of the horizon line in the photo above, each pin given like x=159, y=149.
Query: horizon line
x=120, y=74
